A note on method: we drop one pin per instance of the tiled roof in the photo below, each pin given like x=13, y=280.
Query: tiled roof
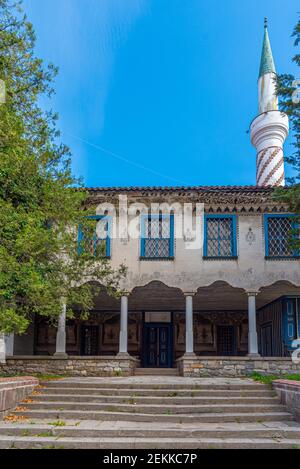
x=226, y=189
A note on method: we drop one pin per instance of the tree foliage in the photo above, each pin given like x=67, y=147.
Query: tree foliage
x=40, y=200
x=288, y=88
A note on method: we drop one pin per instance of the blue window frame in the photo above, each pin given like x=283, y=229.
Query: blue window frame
x=97, y=241
x=220, y=241
x=279, y=229
x=157, y=237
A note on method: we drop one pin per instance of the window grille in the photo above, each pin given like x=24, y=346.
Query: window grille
x=220, y=237
x=95, y=240
x=157, y=237
x=279, y=233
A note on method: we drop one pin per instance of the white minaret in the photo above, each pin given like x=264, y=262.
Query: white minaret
x=270, y=128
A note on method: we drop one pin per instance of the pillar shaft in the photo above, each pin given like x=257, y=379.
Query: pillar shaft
x=123, y=344
x=2, y=348
x=189, y=326
x=252, y=335
x=61, y=334
x=9, y=339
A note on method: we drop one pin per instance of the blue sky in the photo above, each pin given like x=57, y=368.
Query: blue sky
x=160, y=92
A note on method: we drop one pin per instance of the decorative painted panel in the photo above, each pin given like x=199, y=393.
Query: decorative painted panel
x=289, y=323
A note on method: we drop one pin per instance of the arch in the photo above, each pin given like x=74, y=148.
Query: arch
x=156, y=296
x=220, y=295
x=276, y=290
x=102, y=300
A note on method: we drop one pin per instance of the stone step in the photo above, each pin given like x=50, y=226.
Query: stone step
x=159, y=393
x=138, y=400
x=78, y=415
x=156, y=409
x=119, y=384
x=156, y=372
x=146, y=443
x=92, y=429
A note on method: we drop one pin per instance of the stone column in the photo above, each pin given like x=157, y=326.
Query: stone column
x=9, y=343
x=61, y=334
x=189, y=324
x=123, y=342
x=252, y=336
x=2, y=348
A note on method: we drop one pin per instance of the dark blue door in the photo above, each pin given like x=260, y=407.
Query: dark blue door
x=157, y=346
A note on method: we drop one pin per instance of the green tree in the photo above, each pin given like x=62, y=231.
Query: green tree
x=288, y=88
x=40, y=200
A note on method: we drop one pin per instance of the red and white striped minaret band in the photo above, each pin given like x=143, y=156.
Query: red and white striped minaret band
x=268, y=133
x=270, y=167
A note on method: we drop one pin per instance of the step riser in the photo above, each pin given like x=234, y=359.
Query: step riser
x=113, y=416
x=49, y=443
x=81, y=433
x=156, y=393
x=159, y=400
x=190, y=387
x=153, y=373
x=152, y=409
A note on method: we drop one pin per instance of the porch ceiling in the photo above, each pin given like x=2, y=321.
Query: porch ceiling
x=219, y=296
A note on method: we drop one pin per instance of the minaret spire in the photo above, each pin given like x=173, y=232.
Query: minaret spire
x=268, y=100
x=267, y=64
x=270, y=129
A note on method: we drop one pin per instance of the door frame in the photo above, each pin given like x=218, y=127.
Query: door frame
x=234, y=328
x=82, y=339
x=169, y=325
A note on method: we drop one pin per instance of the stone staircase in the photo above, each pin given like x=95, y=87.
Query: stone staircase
x=150, y=412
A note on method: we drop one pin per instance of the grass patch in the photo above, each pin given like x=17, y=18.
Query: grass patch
x=47, y=377
x=268, y=379
x=43, y=435
x=57, y=423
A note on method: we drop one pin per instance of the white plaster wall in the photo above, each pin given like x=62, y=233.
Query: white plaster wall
x=189, y=270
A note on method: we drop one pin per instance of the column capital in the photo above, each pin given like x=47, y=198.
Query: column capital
x=252, y=292
x=126, y=294
x=189, y=293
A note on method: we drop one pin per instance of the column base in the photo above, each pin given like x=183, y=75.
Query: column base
x=61, y=356
x=254, y=355
x=123, y=355
x=189, y=355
